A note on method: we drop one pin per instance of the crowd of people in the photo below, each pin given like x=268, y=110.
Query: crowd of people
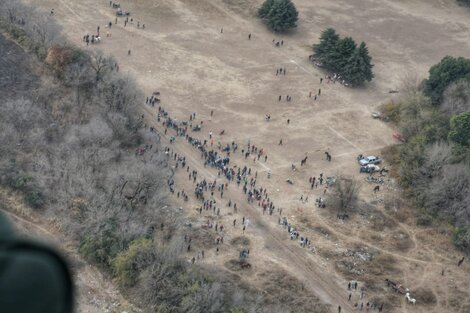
x=209, y=193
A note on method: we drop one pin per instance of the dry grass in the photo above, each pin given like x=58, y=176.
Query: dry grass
x=383, y=263
x=279, y=287
x=401, y=241
x=424, y=296
x=325, y=233
x=236, y=265
x=381, y=222
x=240, y=241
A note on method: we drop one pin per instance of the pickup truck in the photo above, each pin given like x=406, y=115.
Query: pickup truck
x=370, y=160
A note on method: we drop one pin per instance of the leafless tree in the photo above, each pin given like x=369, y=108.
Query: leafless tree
x=79, y=76
x=102, y=65
x=448, y=194
x=410, y=84
x=345, y=194
x=456, y=98
x=436, y=157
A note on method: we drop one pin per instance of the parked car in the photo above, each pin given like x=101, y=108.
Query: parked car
x=370, y=160
x=369, y=168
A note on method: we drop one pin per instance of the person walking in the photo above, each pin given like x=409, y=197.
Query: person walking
x=249, y=36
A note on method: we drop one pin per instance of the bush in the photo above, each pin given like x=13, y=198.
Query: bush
x=424, y=220
x=460, y=129
x=13, y=178
x=128, y=264
x=34, y=198
x=462, y=238
x=391, y=111
x=101, y=247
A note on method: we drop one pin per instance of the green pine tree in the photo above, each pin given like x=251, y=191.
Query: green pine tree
x=263, y=11
x=328, y=41
x=281, y=16
x=341, y=54
x=359, y=67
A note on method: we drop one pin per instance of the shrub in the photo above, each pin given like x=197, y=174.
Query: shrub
x=424, y=220
x=462, y=238
x=391, y=111
x=34, y=198
x=101, y=247
x=13, y=178
x=128, y=264
x=460, y=129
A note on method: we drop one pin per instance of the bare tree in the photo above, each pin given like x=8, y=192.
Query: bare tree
x=101, y=65
x=410, y=84
x=345, y=194
x=436, y=157
x=448, y=195
x=456, y=98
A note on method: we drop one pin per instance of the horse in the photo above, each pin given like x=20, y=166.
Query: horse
x=410, y=300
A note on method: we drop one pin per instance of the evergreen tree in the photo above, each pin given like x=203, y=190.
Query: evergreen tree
x=263, y=11
x=282, y=14
x=443, y=74
x=337, y=58
x=359, y=68
x=328, y=41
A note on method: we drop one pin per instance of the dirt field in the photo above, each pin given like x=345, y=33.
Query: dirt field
x=197, y=68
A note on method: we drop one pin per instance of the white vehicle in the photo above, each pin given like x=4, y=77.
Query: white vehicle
x=370, y=160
